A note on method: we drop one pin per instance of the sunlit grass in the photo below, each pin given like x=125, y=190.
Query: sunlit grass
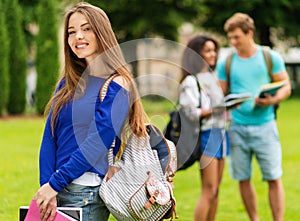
x=19, y=147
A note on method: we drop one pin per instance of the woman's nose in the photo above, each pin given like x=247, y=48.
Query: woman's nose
x=79, y=35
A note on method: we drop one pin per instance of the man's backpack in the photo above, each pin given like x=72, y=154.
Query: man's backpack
x=269, y=63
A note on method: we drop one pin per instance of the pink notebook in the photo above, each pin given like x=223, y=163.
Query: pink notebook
x=33, y=214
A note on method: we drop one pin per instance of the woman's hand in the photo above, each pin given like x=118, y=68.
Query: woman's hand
x=46, y=201
x=205, y=113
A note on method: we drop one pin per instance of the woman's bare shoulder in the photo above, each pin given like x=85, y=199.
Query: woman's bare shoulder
x=121, y=81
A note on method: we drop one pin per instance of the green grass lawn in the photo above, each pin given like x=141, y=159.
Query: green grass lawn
x=19, y=148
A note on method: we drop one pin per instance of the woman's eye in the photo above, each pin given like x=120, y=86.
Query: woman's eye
x=87, y=29
x=71, y=32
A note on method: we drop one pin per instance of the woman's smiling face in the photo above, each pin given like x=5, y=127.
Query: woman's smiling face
x=81, y=37
x=209, y=53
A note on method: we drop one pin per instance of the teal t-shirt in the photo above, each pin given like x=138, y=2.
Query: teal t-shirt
x=247, y=76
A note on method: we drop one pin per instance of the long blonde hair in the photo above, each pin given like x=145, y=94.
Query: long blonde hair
x=75, y=67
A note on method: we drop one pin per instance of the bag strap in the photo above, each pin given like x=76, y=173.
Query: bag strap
x=227, y=69
x=103, y=92
x=199, y=88
x=268, y=59
x=104, y=87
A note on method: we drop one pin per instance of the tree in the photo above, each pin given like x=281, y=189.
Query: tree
x=47, y=58
x=29, y=17
x=280, y=14
x=137, y=19
x=17, y=58
x=4, y=54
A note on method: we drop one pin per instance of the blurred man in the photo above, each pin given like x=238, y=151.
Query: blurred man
x=253, y=130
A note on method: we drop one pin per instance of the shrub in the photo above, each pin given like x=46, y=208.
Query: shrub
x=47, y=61
x=4, y=53
x=17, y=58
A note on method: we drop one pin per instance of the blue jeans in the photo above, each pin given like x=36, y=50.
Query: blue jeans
x=93, y=208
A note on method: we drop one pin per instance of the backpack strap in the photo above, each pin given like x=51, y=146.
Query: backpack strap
x=104, y=87
x=228, y=64
x=268, y=60
x=199, y=88
x=103, y=92
x=227, y=69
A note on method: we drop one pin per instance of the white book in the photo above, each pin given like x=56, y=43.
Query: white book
x=233, y=100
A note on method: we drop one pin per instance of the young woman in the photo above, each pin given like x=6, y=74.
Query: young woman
x=79, y=128
x=199, y=60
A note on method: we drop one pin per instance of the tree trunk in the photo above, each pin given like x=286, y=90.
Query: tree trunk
x=264, y=36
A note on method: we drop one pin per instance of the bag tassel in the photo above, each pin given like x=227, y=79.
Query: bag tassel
x=174, y=213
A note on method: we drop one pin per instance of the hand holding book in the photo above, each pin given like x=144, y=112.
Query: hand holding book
x=33, y=214
x=233, y=100
x=271, y=88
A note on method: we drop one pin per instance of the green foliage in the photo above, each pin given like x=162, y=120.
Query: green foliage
x=29, y=17
x=4, y=54
x=284, y=14
x=47, y=58
x=137, y=19
x=17, y=58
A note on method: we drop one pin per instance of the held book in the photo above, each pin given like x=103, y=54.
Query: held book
x=233, y=100
x=32, y=213
x=271, y=88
